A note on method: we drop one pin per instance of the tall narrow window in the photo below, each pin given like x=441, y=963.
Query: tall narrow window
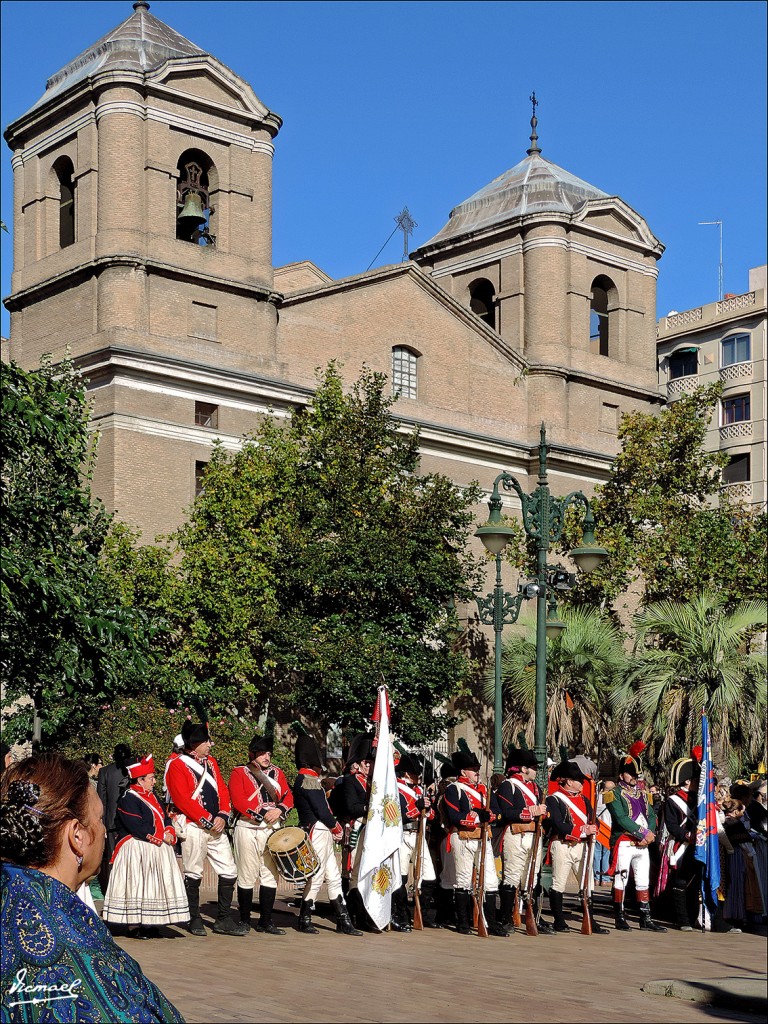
x=603, y=291
x=65, y=174
x=404, y=372
x=200, y=468
x=735, y=349
x=482, y=301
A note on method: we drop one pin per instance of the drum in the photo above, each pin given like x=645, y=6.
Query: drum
x=293, y=854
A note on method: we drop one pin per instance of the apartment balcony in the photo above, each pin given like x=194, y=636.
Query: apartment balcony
x=676, y=387
x=735, y=433
x=738, y=492
x=735, y=374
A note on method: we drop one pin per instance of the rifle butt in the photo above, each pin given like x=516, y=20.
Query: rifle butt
x=418, y=920
x=530, y=920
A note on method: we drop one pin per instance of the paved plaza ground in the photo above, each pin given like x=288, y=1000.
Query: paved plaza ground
x=436, y=976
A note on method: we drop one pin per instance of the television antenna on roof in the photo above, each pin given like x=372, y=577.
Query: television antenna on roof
x=719, y=223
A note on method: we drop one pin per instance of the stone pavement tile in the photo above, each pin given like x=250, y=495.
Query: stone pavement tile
x=392, y=978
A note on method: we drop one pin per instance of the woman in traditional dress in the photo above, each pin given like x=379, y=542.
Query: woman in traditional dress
x=59, y=961
x=146, y=888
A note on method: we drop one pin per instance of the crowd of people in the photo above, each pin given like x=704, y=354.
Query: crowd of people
x=471, y=853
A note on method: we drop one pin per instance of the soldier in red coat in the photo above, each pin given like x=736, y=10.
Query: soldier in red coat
x=201, y=799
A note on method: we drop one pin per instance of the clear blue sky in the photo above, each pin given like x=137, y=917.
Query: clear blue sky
x=421, y=104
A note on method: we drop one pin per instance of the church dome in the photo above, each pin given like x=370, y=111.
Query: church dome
x=535, y=185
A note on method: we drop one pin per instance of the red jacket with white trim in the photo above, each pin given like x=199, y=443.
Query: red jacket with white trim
x=251, y=798
x=212, y=800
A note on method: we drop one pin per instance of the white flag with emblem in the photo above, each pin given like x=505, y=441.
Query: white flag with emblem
x=379, y=874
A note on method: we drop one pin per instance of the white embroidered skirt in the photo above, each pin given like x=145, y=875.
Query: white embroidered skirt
x=145, y=886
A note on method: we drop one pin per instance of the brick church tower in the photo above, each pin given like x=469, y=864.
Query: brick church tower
x=140, y=128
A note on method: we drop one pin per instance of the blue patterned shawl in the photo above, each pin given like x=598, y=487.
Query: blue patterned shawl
x=52, y=941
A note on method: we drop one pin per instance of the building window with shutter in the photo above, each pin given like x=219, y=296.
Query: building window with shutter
x=736, y=409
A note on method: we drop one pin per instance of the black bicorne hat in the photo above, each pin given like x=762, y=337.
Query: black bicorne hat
x=463, y=760
x=360, y=749
x=682, y=771
x=261, y=745
x=568, y=770
x=519, y=758
x=409, y=764
x=307, y=753
x=447, y=770
x=194, y=733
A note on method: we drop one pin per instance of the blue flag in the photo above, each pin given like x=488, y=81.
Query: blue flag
x=707, y=846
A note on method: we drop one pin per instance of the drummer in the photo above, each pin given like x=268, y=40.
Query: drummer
x=261, y=797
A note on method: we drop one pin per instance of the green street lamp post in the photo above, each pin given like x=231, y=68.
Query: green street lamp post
x=543, y=521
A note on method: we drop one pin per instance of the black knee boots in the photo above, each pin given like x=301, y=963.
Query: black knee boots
x=556, y=906
x=266, y=906
x=462, y=902
x=245, y=904
x=491, y=918
x=192, y=886
x=224, y=925
x=429, y=905
x=305, y=918
x=343, y=920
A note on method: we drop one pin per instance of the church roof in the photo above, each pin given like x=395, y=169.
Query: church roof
x=140, y=43
x=535, y=185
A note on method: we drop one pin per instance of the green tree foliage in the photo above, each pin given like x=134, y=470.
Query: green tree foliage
x=660, y=518
x=700, y=655
x=318, y=563
x=583, y=664
x=67, y=635
x=148, y=725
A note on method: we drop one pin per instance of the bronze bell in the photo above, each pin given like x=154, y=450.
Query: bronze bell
x=192, y=214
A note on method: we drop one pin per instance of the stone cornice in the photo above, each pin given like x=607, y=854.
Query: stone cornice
x=84, y=271
x=126, y=366
x=594, y=380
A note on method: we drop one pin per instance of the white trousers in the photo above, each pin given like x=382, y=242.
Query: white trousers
x=466, y=856
x=322, y=842
x=255, y=864
x=448, y=872
x=200, y=846
x=638, y=861
x=516, y=852
x=408, y=857
x=568, y=858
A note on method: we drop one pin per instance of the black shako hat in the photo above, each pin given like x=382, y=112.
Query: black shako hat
x=194, y=733
x=408, y=765
x=448, y=770
x=463, y=760
x=519, y=758
x=307, y=753
x=260, y=745
x=568, y=770
x=360, y=749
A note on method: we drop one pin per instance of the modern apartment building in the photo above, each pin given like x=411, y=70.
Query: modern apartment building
x=725, y=341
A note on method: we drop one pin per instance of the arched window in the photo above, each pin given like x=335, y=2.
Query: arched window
x=404, y=372
x=65, y=171
x=603, y=290
x=194, y=209
x=482, y=301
